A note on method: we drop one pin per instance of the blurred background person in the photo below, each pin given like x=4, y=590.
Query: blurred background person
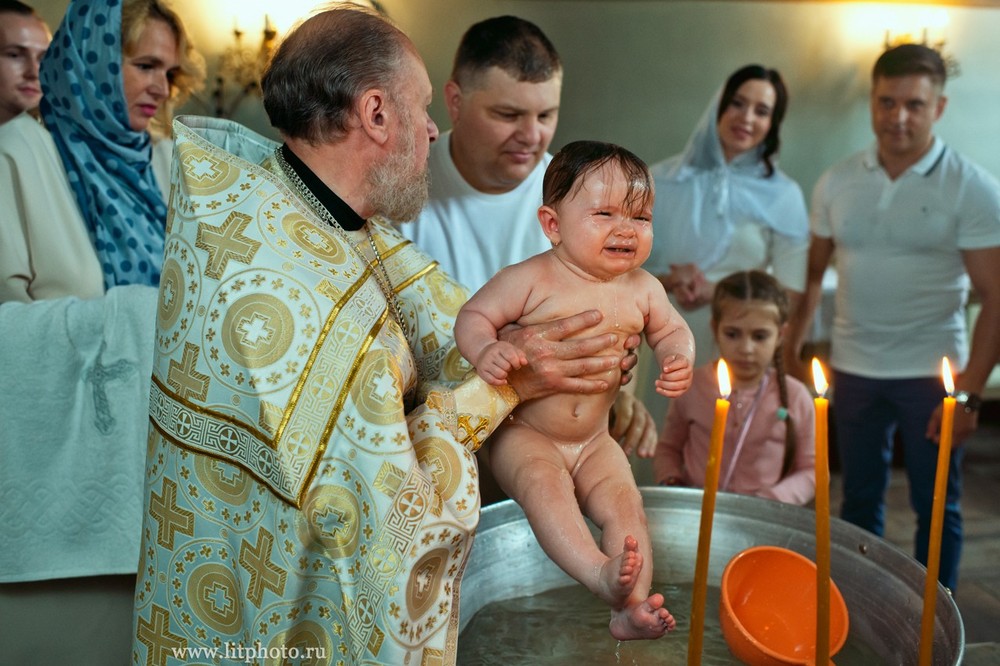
x=770, y=449
x=914, y=224
x=24, y=38
x=87, y=190
x=722, y=205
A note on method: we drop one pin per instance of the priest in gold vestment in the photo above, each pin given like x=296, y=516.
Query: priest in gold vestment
x=311, y=492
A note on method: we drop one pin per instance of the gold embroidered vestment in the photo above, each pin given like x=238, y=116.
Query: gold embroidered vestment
x=291, y=500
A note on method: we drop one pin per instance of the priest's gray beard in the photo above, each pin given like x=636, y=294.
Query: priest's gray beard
x=399, y=185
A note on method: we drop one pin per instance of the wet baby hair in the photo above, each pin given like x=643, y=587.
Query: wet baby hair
x=757, y=285
x=572, y=164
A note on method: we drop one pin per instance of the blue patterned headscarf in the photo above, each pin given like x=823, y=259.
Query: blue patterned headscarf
x=108, y=164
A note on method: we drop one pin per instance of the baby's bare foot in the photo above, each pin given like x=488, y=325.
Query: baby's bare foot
x=619, y=574
x=647, y=619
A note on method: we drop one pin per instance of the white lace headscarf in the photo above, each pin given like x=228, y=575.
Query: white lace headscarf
x=699, y=197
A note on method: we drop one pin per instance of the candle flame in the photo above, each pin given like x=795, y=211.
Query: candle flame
x=819, y=379
x=725, y=386
x=949, y=381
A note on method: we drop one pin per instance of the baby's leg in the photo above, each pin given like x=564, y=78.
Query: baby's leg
x=532, y=470
x=609, y=497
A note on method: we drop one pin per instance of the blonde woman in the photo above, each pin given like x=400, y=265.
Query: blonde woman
x=87, y=187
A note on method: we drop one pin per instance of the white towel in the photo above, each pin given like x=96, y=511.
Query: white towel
x=74, y=400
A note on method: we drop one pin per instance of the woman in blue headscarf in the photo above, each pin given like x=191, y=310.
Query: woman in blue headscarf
x=89, y=193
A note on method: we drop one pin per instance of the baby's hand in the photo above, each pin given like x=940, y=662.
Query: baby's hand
x=498, y=359
x=688, y=285
x=676, y=376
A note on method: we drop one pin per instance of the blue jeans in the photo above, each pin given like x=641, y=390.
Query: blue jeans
x=866, y=415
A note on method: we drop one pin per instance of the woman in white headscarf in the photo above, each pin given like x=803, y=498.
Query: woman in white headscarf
x=723, y=206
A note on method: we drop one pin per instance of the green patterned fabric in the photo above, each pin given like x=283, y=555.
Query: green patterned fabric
x=290, y=501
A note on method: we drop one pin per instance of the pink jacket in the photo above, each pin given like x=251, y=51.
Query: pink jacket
x=682, y=450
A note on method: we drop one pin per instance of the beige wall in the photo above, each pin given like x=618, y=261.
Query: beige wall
x=640, y=72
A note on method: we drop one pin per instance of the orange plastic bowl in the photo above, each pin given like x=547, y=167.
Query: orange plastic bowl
x=768, y=608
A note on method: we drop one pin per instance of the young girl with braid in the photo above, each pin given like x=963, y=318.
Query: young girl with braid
x=768, y=450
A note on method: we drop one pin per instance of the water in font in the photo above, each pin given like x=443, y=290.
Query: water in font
x=568, y=626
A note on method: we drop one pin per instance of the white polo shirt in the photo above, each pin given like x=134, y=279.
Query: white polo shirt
x=902, y=285
x=473, y=234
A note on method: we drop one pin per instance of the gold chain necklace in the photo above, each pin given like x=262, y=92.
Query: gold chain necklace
x=379, y=271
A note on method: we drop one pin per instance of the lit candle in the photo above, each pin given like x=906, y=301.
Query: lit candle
x=937, y=517
x=822, y=517
x=707, y=514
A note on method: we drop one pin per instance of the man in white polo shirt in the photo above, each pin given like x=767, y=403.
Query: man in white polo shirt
x=912, y=222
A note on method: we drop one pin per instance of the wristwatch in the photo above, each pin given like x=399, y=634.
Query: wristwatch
x=970, y=402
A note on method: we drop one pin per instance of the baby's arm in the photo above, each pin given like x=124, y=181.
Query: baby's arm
x=498, y=303
x=669, y=336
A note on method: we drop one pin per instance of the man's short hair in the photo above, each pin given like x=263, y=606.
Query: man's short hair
x=17, y=7
x=909, y=60
x=516, y=46
x=324, y=65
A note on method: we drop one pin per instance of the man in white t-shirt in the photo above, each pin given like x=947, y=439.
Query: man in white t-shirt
x=912, y=222
x=486, y=172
